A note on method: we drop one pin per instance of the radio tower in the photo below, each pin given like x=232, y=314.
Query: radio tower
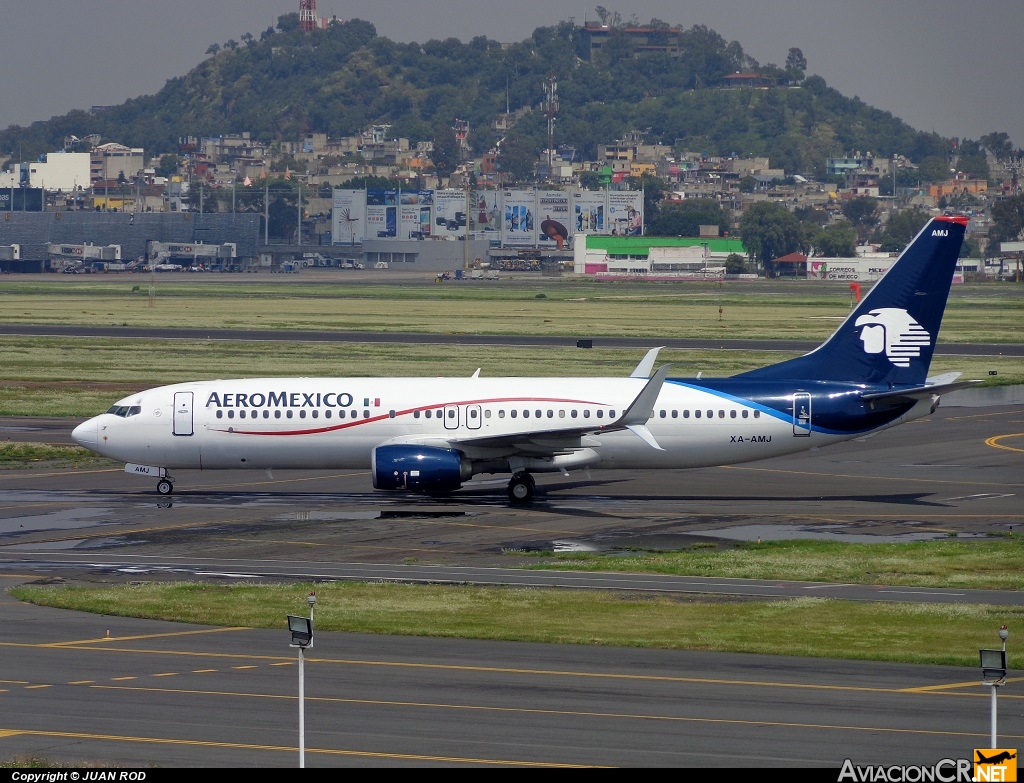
x=308, y=19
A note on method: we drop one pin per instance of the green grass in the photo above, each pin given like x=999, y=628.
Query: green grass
x=15, y=456
x=991, y=564
x=917, y=633
x=796, y=310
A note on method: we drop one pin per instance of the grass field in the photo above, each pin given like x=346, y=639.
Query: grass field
x=555, y=306
x=913, y=633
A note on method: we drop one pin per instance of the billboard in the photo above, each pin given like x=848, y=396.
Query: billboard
x=625, y=212
x=381, y=213
x=449, y=213
x=21, y=200
x=519, y=225
x=555, y=222
x=486, y=213
x=414, y=207
x=588, y=212
x=349, y=217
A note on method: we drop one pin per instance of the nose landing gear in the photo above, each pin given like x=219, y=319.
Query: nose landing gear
x=164, y=486
x=521, y=487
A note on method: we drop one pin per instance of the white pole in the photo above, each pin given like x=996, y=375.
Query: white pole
x=302, y=712
x=992, y=738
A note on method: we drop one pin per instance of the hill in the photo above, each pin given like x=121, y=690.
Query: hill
x=339, y=80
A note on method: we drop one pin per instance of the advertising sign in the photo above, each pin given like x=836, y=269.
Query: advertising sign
x=348, y=217
x=414, y=213
x=553, y=209
x=625, y=212
x=588, y=212
x=449, y=213
x=519, y=226
x=381, y=213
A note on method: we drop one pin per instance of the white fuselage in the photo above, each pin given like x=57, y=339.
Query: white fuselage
x=336, y=422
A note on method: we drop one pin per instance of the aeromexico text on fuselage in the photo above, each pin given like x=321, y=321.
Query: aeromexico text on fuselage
x=285, y=399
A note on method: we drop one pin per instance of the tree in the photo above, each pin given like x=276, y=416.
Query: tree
x=769, y=231
x=685, y=219
x=796, y=65
x=213, y=49
x=862, y=212
x=998, y=144
x=168, y=166
x=446, y=153
x=517, y=158
x=1007, y=222
x=837, y=241
x=747, y=184
x=735, y=264
x=901, y=228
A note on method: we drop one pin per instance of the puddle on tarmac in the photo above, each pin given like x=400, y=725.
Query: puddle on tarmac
x=66, y=519
x=335, y=516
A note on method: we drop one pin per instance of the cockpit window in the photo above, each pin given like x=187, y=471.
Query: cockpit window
x=124, y=411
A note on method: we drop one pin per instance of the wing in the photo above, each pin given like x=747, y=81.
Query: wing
x=556, y=441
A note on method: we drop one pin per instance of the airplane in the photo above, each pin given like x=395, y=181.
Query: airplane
x=1003, y=756
x=431, y=435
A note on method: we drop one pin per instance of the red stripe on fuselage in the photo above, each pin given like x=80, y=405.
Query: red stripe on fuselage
x=372, y=419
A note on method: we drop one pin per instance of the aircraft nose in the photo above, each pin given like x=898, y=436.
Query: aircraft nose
x=85, y=434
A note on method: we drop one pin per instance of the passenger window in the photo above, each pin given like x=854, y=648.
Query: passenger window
x=277, y=414
x=391, y=414
x=675, y=414
x=686, y=414
x=721, y=414
x=487, y=413
x=513, y=413
x=501, y=414
x=551, y=414
x=662, y=414
x=415, y=414
x=426, y=413
x=561, y=414
x=757, y=414
x=302, y=414
x=366, y=414
x=537, y=414
x=451, y=414
x=611, y=414
x=600, y=414
x=586, y=414
x=732, y=414
x=711, y=414
x=289, y=414
x=696, y=414
x=220, y=414
x=746, y=413
x=526, y=414
x=231, y=414
x=573, y=413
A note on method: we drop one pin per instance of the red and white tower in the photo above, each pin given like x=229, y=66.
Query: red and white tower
x=308, y=20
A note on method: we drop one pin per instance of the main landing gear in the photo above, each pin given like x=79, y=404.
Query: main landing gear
x=164, y=486
x=521, y=487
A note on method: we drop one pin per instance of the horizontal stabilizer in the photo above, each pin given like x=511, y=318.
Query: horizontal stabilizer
x=898, y=396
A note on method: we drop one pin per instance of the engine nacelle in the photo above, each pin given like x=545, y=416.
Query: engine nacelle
x=419, y=468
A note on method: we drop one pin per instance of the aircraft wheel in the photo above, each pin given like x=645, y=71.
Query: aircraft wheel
x=520, y=488
x=164, y=487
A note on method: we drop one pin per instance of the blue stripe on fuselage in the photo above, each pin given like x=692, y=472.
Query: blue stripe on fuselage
x=836, y=408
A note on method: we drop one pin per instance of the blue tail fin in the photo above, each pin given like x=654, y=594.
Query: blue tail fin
x=890, y=337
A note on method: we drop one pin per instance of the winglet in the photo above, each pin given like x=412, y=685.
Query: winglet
x=643, y=370
x=477, y=373
x=641, y=431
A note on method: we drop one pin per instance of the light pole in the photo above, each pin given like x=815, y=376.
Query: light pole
x=302, y=637
x=993, y=673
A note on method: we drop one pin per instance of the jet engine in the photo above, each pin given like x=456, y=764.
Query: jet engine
x=419, y=468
